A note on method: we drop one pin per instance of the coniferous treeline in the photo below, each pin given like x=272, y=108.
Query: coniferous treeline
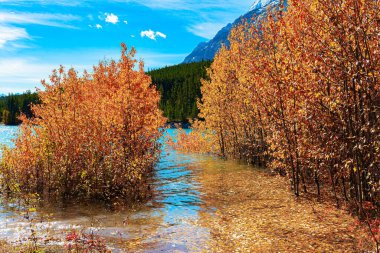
x=179, y=87
x=12, y=105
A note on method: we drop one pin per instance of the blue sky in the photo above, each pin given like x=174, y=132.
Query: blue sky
x=37, y=36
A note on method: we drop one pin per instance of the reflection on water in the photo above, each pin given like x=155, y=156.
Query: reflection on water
x=201, y=203
x=162, y=224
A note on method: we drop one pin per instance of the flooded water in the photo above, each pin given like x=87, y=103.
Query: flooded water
x=7, y=133
x=201, y=204
x=162, y=224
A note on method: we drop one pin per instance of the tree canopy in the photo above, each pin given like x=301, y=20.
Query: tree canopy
x=179, y=87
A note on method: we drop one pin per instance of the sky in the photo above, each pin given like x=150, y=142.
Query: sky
x=37, y=36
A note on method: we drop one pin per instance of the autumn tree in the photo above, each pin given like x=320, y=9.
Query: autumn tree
x=93, y=135
x=300, y=89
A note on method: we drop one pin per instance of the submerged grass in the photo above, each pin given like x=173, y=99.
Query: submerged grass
x=243, y=210
x=256, y=213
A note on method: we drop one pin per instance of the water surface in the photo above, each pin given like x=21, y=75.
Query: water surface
x=200, y=204
x=162, y=224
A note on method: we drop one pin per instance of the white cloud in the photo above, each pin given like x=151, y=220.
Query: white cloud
x=161, y=4
x=205, y=30
x=149, y=34
x=10, y=34
x=34, y=69
x=111, y=18
x=160, y=34
x=45, y=2
x=152, y=34
x=201, y=15
x=9, y=22
x=45, y=19
x=195, y=5
x=97, y=26
x=18, y=75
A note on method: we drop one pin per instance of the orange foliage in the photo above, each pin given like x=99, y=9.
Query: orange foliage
x=198, y=140
x=300, y=91
x=93, y=135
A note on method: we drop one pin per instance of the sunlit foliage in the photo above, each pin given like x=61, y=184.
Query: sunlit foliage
x=92, y=136
x=298, y=91
x=202, y=141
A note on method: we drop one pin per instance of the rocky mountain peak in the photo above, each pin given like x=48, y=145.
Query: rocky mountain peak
x=207, y=50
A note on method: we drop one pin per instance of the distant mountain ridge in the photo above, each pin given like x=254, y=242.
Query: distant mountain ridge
x=207, y=50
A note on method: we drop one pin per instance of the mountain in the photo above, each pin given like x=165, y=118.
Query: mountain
x=207, y=50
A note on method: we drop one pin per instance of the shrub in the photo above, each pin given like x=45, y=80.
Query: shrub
x=93, y=135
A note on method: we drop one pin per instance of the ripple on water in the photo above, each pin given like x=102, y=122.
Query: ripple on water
x=161, y=224
x=7, y=133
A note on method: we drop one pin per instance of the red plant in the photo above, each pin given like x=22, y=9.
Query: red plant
x=82, y=242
